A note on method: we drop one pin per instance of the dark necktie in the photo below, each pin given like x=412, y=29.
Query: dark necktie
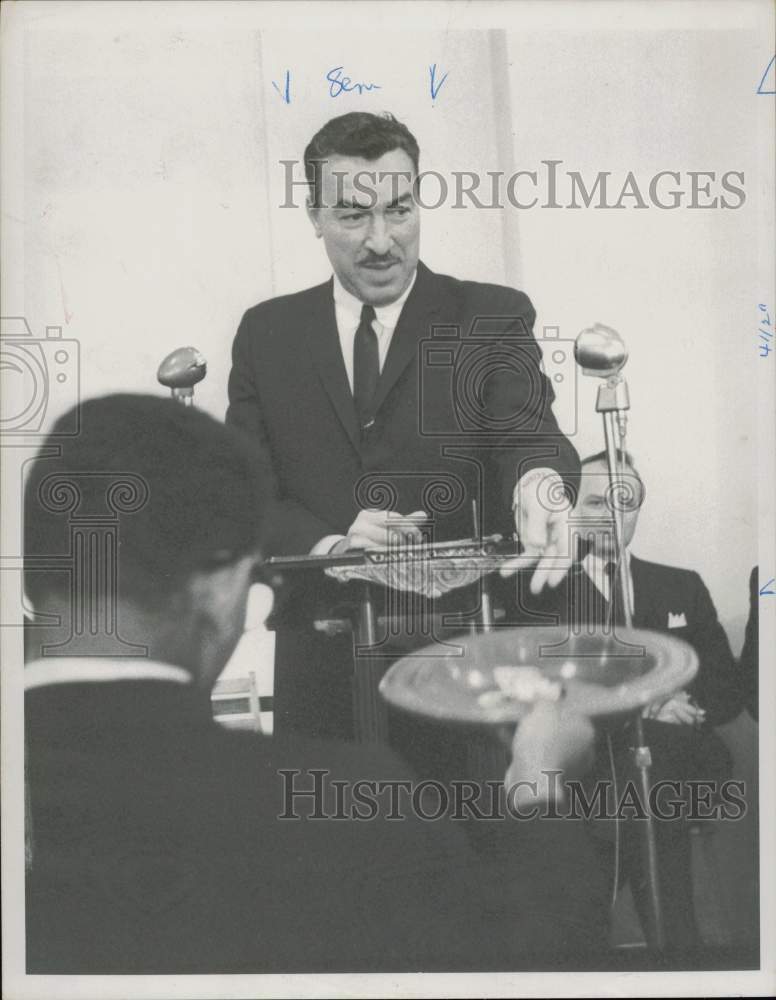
x=589, y=609
x=615, y=597
x=366, y=367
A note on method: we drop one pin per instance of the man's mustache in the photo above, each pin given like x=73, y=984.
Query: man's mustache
x=390, y=259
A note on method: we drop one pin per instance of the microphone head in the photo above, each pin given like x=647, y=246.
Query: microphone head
x=182, y=369
x=599, y=350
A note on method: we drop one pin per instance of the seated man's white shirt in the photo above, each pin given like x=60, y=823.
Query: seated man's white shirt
x=595, y=567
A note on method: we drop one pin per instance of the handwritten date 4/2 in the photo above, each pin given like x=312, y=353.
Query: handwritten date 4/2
x=766, y=335
x=339, y=84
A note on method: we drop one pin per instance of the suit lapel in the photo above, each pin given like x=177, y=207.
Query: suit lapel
x=324, y=346
x=414, y=325
x=645, y=614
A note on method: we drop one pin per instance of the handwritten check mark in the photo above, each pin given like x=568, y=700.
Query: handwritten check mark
x=764, y=592
x=435, y=87
x=768, y=87
x=285, y=94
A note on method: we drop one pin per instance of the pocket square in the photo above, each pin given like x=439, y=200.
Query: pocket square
x=677, y=621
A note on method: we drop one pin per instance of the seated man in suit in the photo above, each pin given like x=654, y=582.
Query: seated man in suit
x=679, y=729
x=387, y=390
x=162, y=843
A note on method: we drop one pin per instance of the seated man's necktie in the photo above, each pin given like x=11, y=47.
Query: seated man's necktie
x=366, y=367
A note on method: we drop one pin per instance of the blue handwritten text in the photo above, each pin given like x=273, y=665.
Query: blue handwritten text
x=435, y=85
x=765, y=331
x=339, y=84
x=285, y=93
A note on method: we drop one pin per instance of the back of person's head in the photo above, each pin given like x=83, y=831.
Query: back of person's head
x=184, y=493
x=357, y=134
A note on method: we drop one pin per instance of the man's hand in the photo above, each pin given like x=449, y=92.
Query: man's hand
x=541, y=511
x=551, y=737
x=679, y=709
x=377, y=529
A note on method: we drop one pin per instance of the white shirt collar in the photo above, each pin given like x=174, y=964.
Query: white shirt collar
x=96, y=669
x=387, y=316
x=593, y=563
x=595, y=567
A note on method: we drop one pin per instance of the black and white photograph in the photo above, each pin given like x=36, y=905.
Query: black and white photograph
x=388, y=565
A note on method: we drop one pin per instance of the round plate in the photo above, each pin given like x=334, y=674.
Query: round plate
x=596, y=674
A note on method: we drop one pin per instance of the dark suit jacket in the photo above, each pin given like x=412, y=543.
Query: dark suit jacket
x=658, y=591
x=461, y=405
x=157, y=848
x=462, y=410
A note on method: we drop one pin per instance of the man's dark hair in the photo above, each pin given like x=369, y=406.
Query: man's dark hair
x=358, y=133
x=622, y=457
x=186, y=493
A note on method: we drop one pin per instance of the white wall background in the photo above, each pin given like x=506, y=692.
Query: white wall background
x=145, y=183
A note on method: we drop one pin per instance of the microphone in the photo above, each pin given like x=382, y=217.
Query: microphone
x=180, y=371
x=600, y=351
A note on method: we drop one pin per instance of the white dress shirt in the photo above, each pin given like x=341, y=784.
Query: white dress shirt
x=595, y=567
x=348, y=308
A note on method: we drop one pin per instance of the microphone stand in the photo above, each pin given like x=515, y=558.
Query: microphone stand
x=613, y=402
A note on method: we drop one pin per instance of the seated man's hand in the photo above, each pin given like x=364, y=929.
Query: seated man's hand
x=541, y=511
x=377, y=529
x=679, y=709
x=551, y=737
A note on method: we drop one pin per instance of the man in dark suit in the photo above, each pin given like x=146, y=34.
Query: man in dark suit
x=161, y=843
x=385, y=401
x=678, y=729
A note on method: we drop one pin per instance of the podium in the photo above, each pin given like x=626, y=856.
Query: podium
x=409, y=575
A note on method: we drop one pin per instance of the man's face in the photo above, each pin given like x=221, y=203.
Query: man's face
x=370, y=224
x=594, y=510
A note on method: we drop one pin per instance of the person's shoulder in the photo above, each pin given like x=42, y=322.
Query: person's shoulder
x=489, y=294
x=666, y=575
x=284, y=307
